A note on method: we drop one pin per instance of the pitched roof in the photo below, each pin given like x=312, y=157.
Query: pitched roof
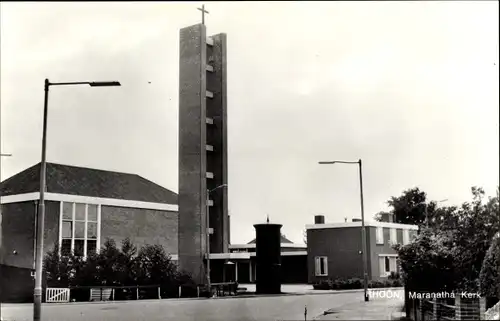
x=66, y=179
x=283, y=240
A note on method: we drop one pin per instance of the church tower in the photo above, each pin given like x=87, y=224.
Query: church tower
x=203, y=203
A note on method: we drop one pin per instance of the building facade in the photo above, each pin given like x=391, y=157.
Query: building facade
x=293, y=261
x=202, y=149
x=335, y=250
x=84, y=207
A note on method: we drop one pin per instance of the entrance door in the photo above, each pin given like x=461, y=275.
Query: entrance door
x=230, y=271
x=244, y=272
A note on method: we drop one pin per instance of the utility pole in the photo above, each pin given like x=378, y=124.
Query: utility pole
x=209, y=283
x=208, y=231
x=363, y=229
x=40, y=220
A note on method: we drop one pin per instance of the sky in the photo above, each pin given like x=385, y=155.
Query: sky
x=411, y=88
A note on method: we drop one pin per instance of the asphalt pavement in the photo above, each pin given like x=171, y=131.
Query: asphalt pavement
x=348, y=305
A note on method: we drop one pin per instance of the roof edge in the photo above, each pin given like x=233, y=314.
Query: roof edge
x=358, y=224
x=89, y=200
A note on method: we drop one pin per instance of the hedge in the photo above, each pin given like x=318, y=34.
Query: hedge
x=355, y=283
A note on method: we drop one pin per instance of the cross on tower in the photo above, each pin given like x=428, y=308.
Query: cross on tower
x=203, y=11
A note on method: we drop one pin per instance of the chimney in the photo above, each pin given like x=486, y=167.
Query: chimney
x=387, y=217
x=319, y=219
x=356, y=220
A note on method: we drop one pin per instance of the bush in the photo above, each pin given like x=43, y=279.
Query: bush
x=323, y=285
x=355, y=283
x=428, y=263
x=57, y=269
x=154, y=266
x=118, y=267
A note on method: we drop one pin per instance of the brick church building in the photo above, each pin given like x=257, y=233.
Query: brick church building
x=84, y=207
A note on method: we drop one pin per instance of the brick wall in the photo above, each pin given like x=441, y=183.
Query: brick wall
x=192, y=152
x=342, y=246
x=375, y=250
x=217, y=159
x=18, y=232
x=142, y=226
x=457, y=308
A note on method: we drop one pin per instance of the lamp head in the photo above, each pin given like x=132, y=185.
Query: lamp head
x=104, y=84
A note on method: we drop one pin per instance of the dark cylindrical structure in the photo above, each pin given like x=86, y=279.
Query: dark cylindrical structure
x=319, y=219
x=268, y=258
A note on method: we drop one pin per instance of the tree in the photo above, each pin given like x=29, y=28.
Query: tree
x=478, y=222
x=58, y=269
x=427, y=263
x=108, y=263
x=153, y=266
x=489, y=277
x=85, y=271
x=465, y=232
x=126, y=263
x=410, y=207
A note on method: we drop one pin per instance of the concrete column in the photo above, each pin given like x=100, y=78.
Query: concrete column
x=236, y=271
x=458, y=306
x=482, y=308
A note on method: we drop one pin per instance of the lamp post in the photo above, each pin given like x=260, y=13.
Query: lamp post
x=363, y=230
x=41, y=204
x=208, y=232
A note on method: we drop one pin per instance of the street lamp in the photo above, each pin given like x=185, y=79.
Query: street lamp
x=363, y=231
x=41, y=204
x=208, y=232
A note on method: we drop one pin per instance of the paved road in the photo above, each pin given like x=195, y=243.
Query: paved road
x=378, y=308
x=241, y=309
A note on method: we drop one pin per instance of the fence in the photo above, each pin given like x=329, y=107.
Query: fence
x=102, y=294
x=112, y=293
x=57, y=295
x=456, y=307
x=137, y=292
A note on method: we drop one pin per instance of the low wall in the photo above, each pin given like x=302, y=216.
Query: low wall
x=17, y=284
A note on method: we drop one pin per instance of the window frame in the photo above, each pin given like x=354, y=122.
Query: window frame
x=393, y=235
x=393, y=265
x=379, y=235
x=406, y=236
x=86, y=221
x=318, y=265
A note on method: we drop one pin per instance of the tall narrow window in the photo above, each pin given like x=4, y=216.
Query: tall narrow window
x=91, y=228
x=406, y=236
x=79, y=231
x=393, y=236
x=67, y=228
x=321, y=266
x=380, y=235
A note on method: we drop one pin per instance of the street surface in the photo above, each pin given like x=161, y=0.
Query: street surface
x=376, y=309
x=288, y=307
